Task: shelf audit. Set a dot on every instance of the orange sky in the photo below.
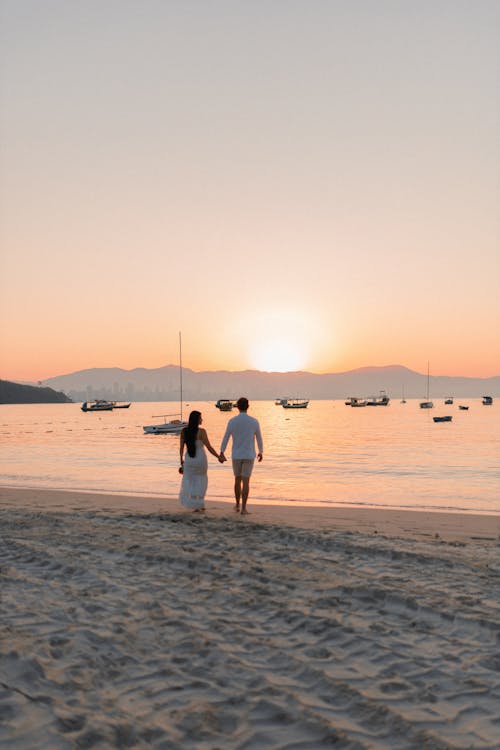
(315, 188)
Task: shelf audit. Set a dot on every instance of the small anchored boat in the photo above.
(295, 403)
(169, 426)
(381, 400)
(224, 404)
(99, 404)
(443, 419)
(353, 401)
(427, 404)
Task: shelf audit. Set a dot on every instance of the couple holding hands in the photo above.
(244, 431)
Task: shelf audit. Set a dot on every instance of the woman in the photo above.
(194, 463)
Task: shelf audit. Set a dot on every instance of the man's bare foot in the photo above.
(245, 512)
(236, 508)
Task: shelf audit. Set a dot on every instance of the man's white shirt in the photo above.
(244, 430)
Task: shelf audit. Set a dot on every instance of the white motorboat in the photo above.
(295, 403)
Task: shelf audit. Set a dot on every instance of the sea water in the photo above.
(391, 456)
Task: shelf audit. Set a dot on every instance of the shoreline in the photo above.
(408, 524)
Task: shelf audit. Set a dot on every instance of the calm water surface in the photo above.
(393, 456)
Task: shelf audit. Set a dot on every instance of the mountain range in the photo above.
(162, 384)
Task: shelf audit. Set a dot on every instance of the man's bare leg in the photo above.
(237, 492)
(244, 494)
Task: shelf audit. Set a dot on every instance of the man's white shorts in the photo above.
(243, 467)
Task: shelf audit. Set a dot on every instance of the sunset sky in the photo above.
(293, 184)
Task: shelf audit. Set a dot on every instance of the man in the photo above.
(244, 431)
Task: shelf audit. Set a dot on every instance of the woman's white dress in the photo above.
(195, 479)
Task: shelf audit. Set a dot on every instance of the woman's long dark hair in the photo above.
(191, 431)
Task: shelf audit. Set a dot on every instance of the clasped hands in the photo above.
(221, 458)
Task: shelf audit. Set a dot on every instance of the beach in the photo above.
(126, 623)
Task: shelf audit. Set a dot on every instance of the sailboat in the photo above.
(427, 404)
(403, 400)
(172, 426)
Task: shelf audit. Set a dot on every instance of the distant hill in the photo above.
(162, 384)
(14, 393)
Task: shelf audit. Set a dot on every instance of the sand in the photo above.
(125, 623)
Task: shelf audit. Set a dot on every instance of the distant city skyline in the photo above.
(163, 384)
(294, 186)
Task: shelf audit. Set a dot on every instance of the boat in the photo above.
(102, 404)
(280, 401)
(403, 400)
(462, 407)
(448, 401)
(224, 404)
(353, 401)
(487, 400)
(381, 400)
(99, 404)
(295, 403)
(442, 419)
(169, 426)
(427, 404)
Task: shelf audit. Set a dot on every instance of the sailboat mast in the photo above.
(180, 366)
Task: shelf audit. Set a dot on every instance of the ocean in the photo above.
(328, 454)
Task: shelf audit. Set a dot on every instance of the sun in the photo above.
(279, 338)
(277, 355)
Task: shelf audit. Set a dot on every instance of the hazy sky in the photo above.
(293, 184)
